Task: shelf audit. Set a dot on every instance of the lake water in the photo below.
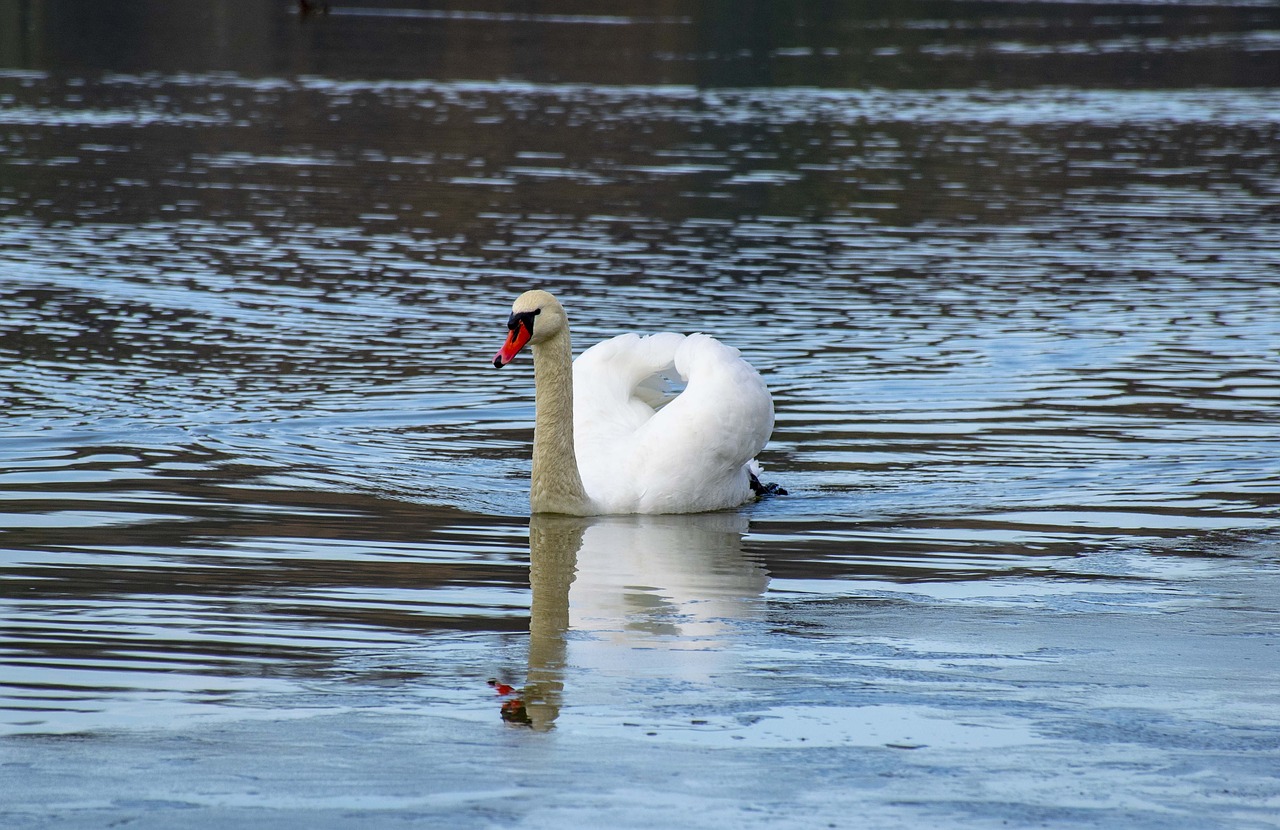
(1010, 270)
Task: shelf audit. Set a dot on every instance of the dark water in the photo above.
(1009, 269)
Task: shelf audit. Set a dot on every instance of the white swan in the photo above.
(603, 442)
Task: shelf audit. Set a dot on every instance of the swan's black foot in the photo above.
(770, 489)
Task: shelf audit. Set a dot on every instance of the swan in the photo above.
(605, 440)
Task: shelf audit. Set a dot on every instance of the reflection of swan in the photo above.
(606, 439)
(674, 579)
(553, 550)
(647, 594)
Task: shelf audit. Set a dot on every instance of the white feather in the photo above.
(689, 455)
(609, 436)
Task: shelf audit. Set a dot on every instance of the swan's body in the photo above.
(603, 440)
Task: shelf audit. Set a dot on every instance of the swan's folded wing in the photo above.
(616, 382)
(706, 436)
(689, 455)
(614, 395)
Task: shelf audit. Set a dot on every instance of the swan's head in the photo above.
(536, 316)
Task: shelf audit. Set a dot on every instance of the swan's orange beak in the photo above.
(516, 340)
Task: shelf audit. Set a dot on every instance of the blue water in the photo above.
(1010, 276)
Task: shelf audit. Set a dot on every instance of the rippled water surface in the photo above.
(1010, 272)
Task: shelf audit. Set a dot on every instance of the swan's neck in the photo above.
(556, 485)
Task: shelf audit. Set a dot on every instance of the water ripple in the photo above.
(1015, 336)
